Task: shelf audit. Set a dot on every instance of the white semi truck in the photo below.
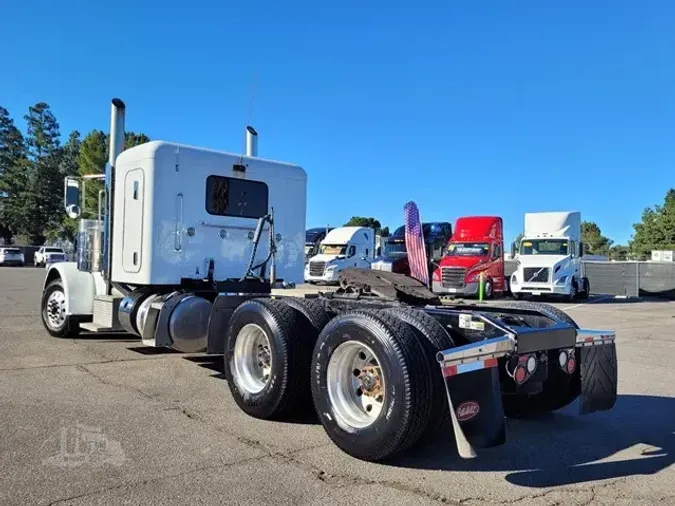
(342, 247)
(549, 257)
(190, 243)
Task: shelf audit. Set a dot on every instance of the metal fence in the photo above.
(625, 279)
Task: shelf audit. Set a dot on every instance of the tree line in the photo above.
(655, 231)
(33, 166)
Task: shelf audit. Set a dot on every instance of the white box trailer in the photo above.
(185, 255)
(549, 257)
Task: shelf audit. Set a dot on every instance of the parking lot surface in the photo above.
(103, 420)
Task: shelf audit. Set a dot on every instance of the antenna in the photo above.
(250, 107)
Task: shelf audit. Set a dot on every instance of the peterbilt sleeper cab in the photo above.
(476, 247)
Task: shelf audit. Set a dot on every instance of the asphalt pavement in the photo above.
(103, 420)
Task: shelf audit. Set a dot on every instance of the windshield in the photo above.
(396, 248)
(544, 247)
(313, 235)
(12, 251)
(333, 249)
(468, 249)
(53, 250)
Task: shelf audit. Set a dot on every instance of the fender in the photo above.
(79, 287)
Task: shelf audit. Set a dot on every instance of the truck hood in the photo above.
(326, 258)
(467, 262)
(541, 260)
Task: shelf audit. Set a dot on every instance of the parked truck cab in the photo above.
(395, 256)
(476, 247)
(549, 257)
(342, 247)
(313, 238)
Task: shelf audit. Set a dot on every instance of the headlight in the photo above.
(562, 280)
(514, 279)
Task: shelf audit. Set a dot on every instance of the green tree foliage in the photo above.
(13, 180)
(92, 158)
(41, 202)
(360, 221)
(618, 252)
(594, 242)
(656, 231)
(67, 227)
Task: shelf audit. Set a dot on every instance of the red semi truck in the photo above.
(476, 246)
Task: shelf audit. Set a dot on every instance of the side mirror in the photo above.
(513, 249)
(71, 197)
(581, 249)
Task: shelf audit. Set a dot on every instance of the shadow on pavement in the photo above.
(638, 435)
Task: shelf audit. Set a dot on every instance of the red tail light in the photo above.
(520, 374)
(571, 365)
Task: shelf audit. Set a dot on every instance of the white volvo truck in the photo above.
(549, 257)
(342, 247)
(188, 248)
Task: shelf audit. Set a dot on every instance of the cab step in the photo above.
(105, 318)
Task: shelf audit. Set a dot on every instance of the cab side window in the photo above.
(497, 251)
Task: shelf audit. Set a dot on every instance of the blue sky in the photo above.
(493, 107)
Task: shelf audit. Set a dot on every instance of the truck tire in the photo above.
(433, 338)
(559, 390)
(586, 289)
(53, 311)
(266, 359)
(488, 289)
(311, 313)
(371, 384)
(574, 292)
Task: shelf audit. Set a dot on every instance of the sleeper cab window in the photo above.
(227, 196)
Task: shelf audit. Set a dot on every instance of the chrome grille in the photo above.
(536, 274)
(316, 268)
(453, 277)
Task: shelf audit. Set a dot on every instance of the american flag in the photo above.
(414, 244)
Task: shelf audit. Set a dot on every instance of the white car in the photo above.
(11, 256)
(48, 255)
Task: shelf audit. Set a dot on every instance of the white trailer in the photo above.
(185, 252)
(549, 257)
(342, 247)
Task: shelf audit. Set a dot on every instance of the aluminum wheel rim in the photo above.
(252, 358)
(56, 309)
(356, 384)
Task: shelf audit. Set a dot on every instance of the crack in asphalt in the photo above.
(106, 361)
(133, 484)
(112, 384)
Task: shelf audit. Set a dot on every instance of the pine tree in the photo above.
(92, 159)
(13, 180)
(66, 228)
(42, 200)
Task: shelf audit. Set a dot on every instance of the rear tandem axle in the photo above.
(385, 374)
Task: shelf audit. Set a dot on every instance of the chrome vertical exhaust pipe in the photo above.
(251, 141)
(117, 113)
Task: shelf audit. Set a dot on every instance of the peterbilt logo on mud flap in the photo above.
(467, 410)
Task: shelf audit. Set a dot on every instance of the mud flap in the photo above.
(476, 409)
(599, 377)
